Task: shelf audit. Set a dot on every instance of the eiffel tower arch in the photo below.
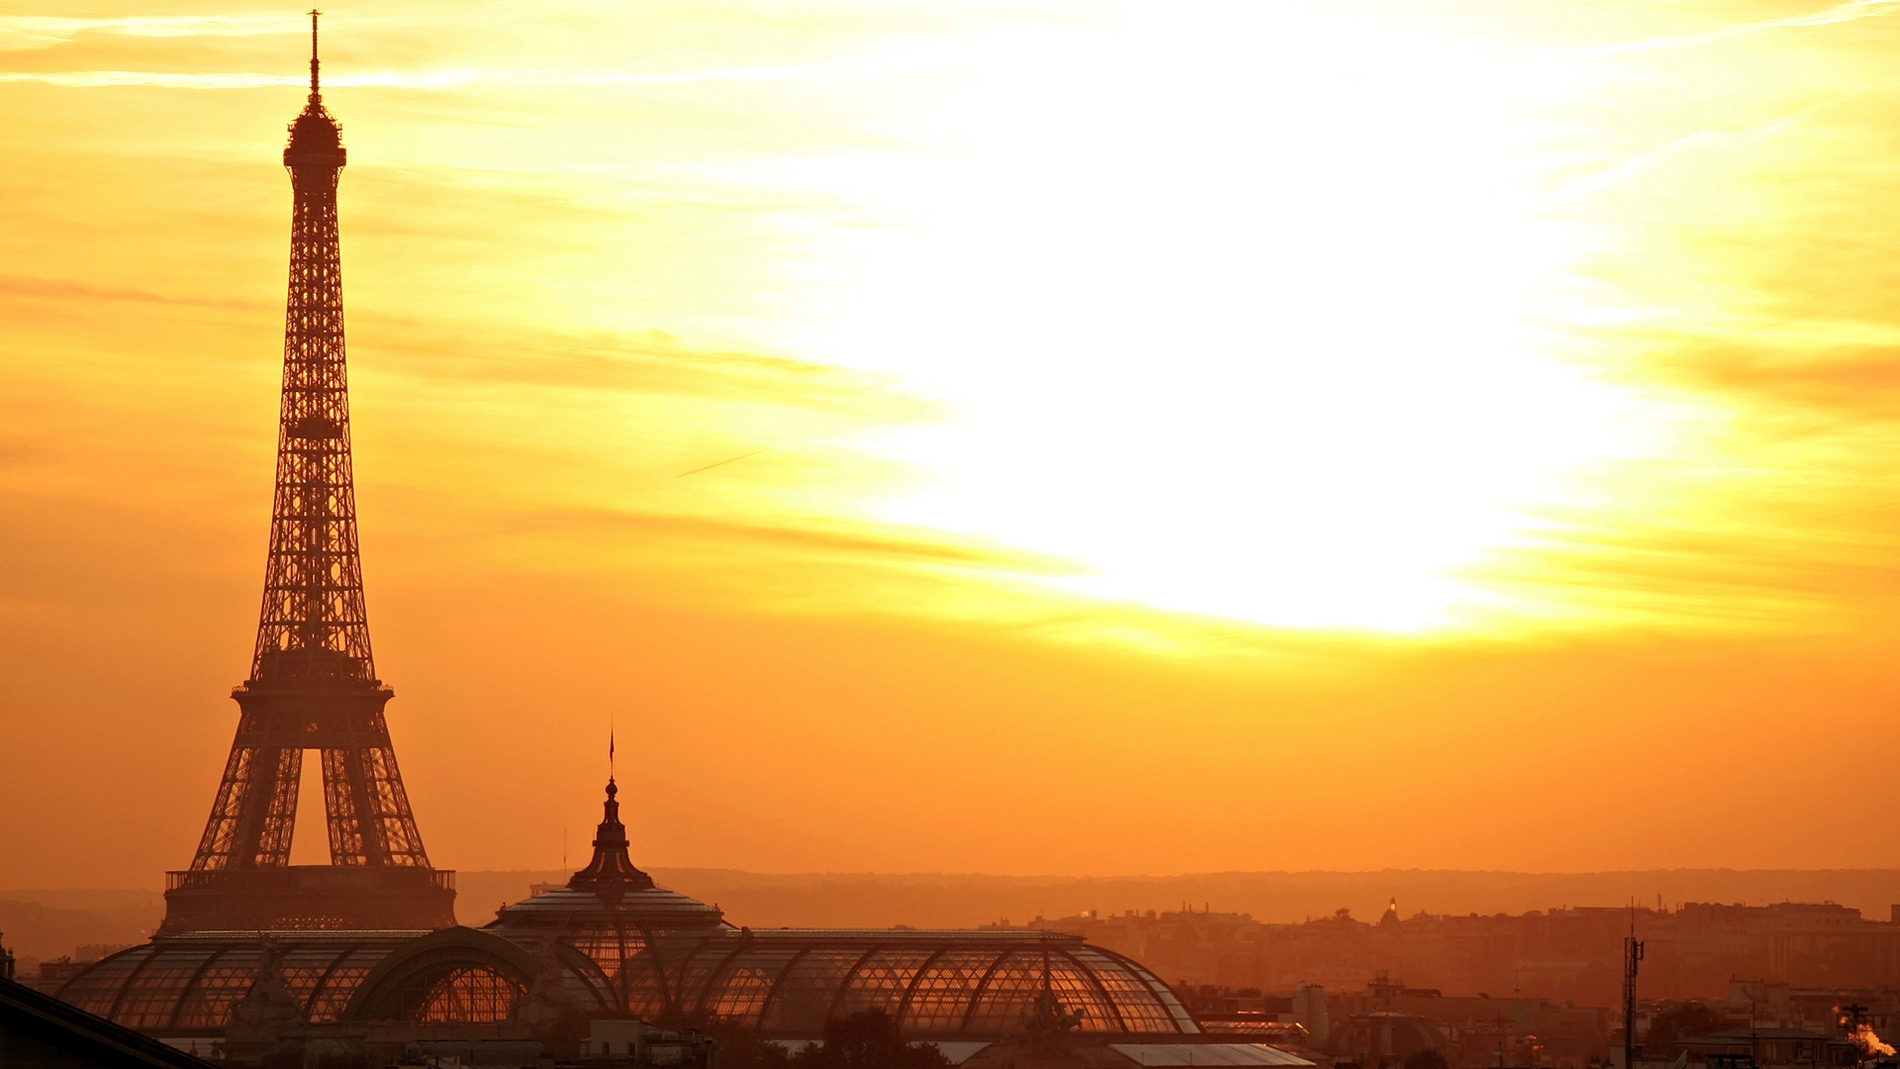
(313, 682)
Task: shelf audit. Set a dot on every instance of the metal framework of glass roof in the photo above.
(936, 984)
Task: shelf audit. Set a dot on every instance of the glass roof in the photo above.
(186, 985)
(947, 983)
(785, 982)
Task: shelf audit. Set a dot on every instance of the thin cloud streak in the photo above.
(429, 81)
(1636, 166)
(22, 33)
(60, 289)
(1852, 11)
(852, 542)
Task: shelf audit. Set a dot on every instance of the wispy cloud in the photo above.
(647, 363)
(1719, 140)
(27, 32)
(422, 80)
(1851, 11)
(811, 535)
(147, 79)
(60, 289)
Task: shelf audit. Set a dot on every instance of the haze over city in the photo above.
(1028, 439)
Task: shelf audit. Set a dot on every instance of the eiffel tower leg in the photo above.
(280, 815)
(255, 812)
(395, 824)
(347, 805)
(369, 818)
(214, 847)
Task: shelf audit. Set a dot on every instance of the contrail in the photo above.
(721, 463)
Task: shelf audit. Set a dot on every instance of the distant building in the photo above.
(1385, 1020)
(1770, 1048)
(1570, 954)
(1384, 1037)
(50, 976)
(641, 1044)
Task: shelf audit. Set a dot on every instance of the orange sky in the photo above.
(1025, 437)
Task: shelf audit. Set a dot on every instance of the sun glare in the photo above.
(1249, 310)
(1300, 314)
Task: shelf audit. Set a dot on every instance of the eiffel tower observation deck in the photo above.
(313, 682)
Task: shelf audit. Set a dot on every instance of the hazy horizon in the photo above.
(962, 899)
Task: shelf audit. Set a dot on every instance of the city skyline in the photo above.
(936, 441)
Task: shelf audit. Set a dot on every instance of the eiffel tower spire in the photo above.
(313, 682)
(316, 96)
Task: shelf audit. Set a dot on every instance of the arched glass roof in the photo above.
(785, 982)
(789, 982)
(189, 984)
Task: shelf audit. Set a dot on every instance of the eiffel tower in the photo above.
(313, 683)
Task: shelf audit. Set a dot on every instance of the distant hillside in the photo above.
(939, 900)
(47, 923)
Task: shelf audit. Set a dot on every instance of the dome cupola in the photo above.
(610, 891)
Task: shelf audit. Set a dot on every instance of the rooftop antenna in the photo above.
(315, 97)
(1046, 984)
(1632, 956)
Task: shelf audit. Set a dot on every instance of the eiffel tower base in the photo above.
(305, 897)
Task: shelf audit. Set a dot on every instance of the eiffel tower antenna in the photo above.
(1632, 960)
(315, 95)
(313, 682)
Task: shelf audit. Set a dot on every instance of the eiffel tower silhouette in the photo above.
(313, 683)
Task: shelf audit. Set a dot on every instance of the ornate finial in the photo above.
(611, 872)
(315, 96)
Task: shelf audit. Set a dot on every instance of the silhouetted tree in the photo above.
(1429, 1058)
(740, 1047)
(1682, 1021)
(868, 1039)
(747, 1048)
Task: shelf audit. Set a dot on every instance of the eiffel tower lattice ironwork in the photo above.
(313, 683)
